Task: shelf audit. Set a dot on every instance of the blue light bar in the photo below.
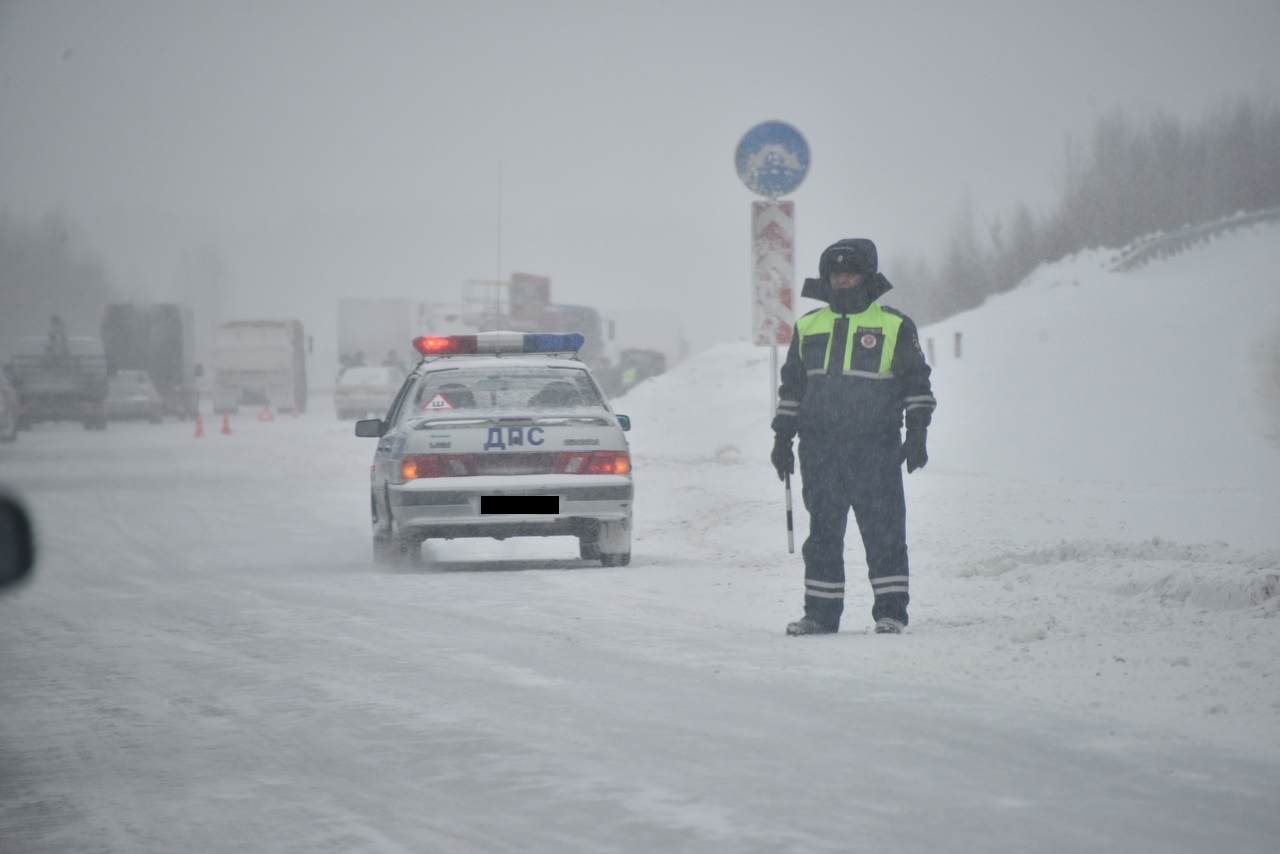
(552, 342)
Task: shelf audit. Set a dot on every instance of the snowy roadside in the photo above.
(1104, 545)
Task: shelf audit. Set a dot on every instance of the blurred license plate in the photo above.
(505, 505)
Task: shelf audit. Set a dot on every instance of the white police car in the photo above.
(500, 434)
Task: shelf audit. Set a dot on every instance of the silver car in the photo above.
(132, 394)
(501, 435)
(364, 390)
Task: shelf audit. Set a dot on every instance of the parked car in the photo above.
(364, 390)
(501, 435)
(9, 414)
(132, 394)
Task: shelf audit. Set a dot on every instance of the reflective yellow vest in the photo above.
(869, 344)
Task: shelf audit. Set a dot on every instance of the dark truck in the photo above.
(159, 339)
(63, 380)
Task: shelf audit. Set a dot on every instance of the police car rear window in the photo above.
(519, 390)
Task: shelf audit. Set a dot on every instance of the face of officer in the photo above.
(844, 281)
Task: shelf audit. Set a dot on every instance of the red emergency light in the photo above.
(444, 345)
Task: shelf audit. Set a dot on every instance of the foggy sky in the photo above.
(325, 149)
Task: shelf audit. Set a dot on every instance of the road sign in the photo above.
(772, 159)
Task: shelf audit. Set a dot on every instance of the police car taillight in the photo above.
(498, 342)
(415, 466)
(597, 462)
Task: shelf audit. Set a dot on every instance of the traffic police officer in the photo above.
(854, 373)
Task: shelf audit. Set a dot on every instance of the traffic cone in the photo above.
(199, 426)
(265, 414)
(226, 425)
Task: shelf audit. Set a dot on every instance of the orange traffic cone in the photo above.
(199, 426)
(265, 414)
(226, 425)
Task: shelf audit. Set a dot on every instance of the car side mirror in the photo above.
(371, 428)
(17, 543)
(624, 421)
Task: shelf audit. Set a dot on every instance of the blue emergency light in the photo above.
(499, 342)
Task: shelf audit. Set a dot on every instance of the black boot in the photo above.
(808, 626)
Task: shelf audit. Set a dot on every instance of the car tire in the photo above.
(389, 550)
(623, 559)
(589, 546)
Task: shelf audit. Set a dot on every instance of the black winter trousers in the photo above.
(861, 472)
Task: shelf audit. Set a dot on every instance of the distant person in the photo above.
(629, 377)
(853, 369)
(57, 343)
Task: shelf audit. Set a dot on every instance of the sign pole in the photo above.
(772, 159)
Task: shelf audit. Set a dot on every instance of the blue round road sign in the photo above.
(772, 159)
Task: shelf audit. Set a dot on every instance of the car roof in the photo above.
(499, 363)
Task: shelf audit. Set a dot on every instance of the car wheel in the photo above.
(389, 550)
(616, 560)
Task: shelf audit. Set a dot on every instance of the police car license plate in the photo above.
(508, 505)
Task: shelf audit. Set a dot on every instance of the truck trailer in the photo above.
(260, 363)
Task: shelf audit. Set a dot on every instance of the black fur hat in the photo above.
(851, 255)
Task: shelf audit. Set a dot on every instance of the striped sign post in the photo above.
(773, 271)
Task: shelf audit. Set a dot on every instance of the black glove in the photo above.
(913, 452)
(784, 461)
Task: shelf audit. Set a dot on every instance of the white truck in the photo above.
(259, 363)
(380, 330)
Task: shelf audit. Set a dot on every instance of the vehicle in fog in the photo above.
(62, 381)
(160, 341)
(131, 395)
(367, 390)
(259, 363)
(501, 434)
(374, 331)
(635, 365)
(8, 408)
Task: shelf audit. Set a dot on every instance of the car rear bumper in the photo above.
(450, 507)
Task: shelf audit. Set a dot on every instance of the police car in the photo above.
(500, 434)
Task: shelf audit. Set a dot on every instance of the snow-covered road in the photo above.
(208, 660)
